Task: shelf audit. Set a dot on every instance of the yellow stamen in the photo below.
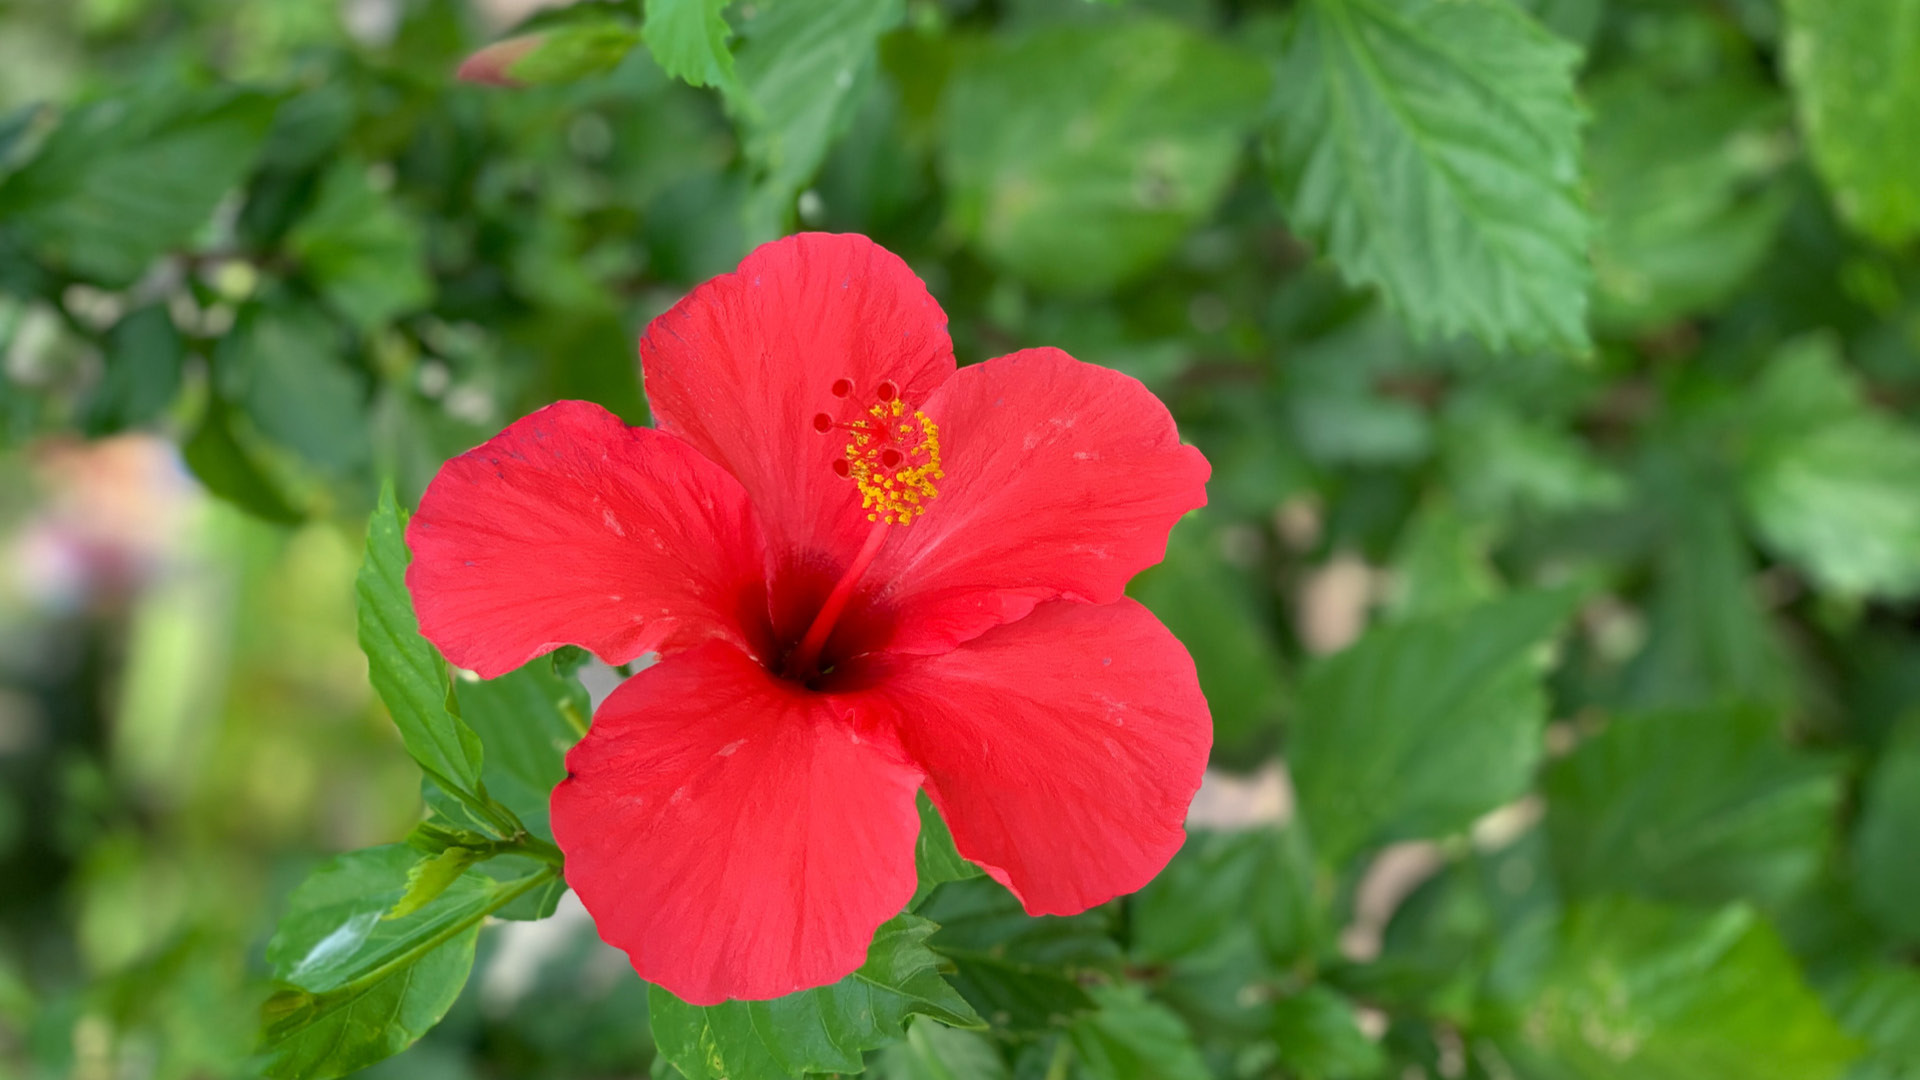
(899, 494)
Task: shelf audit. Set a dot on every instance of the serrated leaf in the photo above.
(1641, 992)
(823, 1030)
(1700, 807)
(123, 180)
(688, 39)
(406, 670)
(1079, 156)
(1827, 480)
(1423, 725)
(360, 982)
(1858, 87)
(527, 719)
(1431, 148)
(1886, 859)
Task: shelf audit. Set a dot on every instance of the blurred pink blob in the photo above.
(112, 513)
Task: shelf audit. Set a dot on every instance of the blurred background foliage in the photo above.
(1557, 359)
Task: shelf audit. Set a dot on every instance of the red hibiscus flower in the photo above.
(864, 573)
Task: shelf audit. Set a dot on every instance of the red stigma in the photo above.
(842, 387)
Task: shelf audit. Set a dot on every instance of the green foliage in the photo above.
(688, 39)
(1829, 482)
(1432, 149)
(1888, 874)
(1153, 116)
(823, 1030)
(1423, 726)
(1706, 807)
(1859, 97)
(1660, 994)
(368, 961)
(120, 182)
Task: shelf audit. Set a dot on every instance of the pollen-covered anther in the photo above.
(892, 456)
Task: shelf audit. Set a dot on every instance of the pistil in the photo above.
(800, 661)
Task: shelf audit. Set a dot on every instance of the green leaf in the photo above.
(1858, 88)
(1424, 725)
(1226, 893)
(1131, 1038)
(295, 385)
(1886, 860)
(361, 981)
(938, 1052)
(1880, 1004)
(1431, 147)
(1641, 992)
(799, 66)
(1318, 1032)
(1709, 640)
(406, 669)
(124, 180)
(822, 1030)
(527, 719)
(228, 470)
(1442, 563)
(1685, 196)
(1019, 972)
(1503, 461)
(1827, 480)
(935, 859)
(1702, 807)
(1079, 156)
(144, 358)
(366, 257)
(688, 39)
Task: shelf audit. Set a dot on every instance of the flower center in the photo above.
(893, 459)
(891, 456)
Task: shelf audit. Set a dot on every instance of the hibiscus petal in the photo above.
(737, 835)
(1062, 482)
(745, 363)
(1063, 749)
(570, 527)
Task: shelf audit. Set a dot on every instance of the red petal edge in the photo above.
(737, 836)
(1063, 750)
(570, 527)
